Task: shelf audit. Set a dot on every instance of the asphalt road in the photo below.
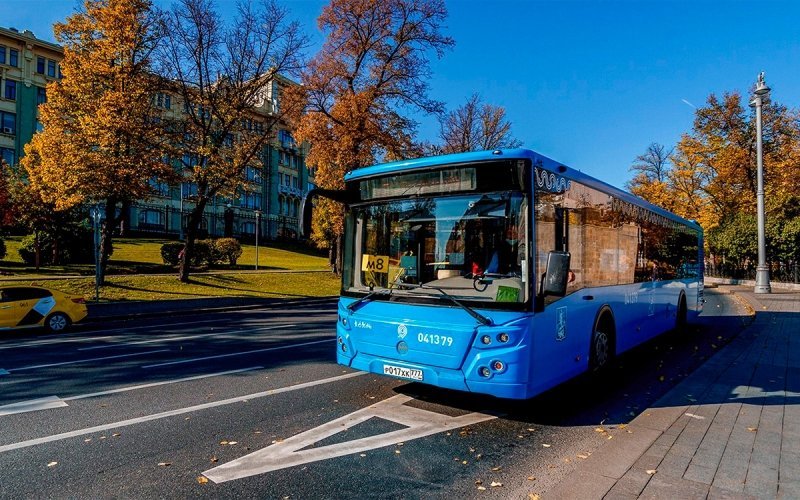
(252, 404)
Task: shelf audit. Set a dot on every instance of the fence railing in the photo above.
(781, 273)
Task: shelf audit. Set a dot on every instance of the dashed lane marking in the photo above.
(79, 361)
(242, 353)
(32, 405)
(171, 413)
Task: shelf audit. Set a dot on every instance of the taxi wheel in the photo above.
(57, 322)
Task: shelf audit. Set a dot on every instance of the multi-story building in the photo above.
(272, 187)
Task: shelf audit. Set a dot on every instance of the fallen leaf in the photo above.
(531, 478)
(697, 417)
(600, 430)
(531, 429)
(102, 437)
(752, 429)
(661, 378)
(397, 452)
(495, 484)
(546, 445)
(464, 462)
(233, 442)
(609, 437)
(214, 460)
(495, 469)
(363, 455)
(651, 471)
(202, 479)
(478, 481)
(482, 488)
(478, 456)
(164, 464)
(51, 464)
(87, 440)
(581, 455)
(533, 496)
(116, 434)
(472, 450)
(225, 442)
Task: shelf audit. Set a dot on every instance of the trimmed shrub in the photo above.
(2, 250)
(74, 247)
(228, 249)
(203, 254)
(170, 252)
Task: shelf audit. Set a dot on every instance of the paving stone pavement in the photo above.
(729, 430)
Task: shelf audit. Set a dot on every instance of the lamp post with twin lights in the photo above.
(762, 270)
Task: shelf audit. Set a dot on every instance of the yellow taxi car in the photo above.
(32, 306)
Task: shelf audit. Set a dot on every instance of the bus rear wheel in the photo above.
(602, 348)
(680, 316)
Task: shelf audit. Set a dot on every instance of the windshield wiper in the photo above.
(472, 312)
(353, 305)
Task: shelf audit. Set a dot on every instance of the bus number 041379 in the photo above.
(443, 340)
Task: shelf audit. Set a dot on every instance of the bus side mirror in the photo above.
(306, 208)
(556, 276)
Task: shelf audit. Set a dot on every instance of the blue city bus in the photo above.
(504, 272)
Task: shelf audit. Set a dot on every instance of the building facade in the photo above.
(267, 204)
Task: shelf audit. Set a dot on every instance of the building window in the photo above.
(41, 95)
(288, 180)
(51, 68)
(163, 100)
(151, 218)
(40, 65)
(280, 179)
(2, 54)
(8, 122)
(253, 175)
(7, 155)
(10, 90)
(13, 57)
(294, 182)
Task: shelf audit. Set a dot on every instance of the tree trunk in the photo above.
(37, 249)
(192, 229)
(106, 237)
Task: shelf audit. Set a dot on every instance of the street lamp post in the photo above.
(258, 223)
(96, 224)
(762, 271)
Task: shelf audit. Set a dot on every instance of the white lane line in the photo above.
(192, 360)
(171, 413)
(32, 405)
(3, 372)
(183, 337)
(296, 450)
(37, 343)
(79, 361)
(155, 384)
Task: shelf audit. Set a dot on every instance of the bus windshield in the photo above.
(471, 246)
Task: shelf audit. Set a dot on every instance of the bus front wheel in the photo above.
(602, 348)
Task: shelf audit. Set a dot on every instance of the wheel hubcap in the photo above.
(58, 323)
(601, 348)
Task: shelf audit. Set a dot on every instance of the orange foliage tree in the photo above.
(373, 66)
(101, 142)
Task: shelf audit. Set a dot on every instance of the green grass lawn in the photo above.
(141, 255)
(135, 263)
(144, 287)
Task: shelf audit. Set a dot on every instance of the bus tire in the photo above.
(602, 349)
(681, 313)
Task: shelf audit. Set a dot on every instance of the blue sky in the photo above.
(589, 84)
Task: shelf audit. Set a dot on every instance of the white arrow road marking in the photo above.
(171, 413)
(289, 453)
(32, 405)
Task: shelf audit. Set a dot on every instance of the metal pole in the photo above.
(258, 223)
(180, 222)
(762, 271)
(96, 219)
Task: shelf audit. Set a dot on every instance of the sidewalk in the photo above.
(729, 430)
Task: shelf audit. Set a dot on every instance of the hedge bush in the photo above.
(2, 249)
(74, 247)
(228, 249)
(170, 252)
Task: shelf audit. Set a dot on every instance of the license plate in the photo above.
(399, 371)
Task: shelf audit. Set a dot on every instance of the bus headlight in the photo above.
(486, 339)
(503, 337)
(484, 372)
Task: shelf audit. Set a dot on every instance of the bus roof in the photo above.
(537, 159)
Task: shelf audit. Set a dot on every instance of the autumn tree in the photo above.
(102, 141)
(651, 170)
(476, 126)
(372, 69)
(228, 77)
